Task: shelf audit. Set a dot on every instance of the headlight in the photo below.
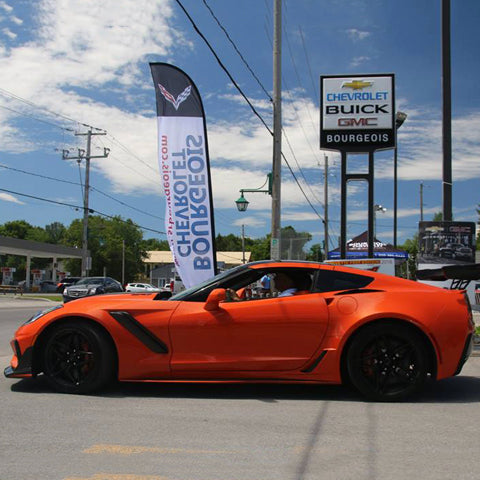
(92, 291)
(41, 313)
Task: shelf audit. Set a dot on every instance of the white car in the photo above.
(141, 288)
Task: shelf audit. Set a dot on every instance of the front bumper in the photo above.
(21, 365)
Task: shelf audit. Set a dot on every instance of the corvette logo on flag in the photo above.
(170, 98)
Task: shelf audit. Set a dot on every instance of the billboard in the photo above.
(446, 243)
(358, 112)
(185, 172)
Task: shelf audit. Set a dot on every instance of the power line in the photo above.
(8, 94)
(131, 168)
(308, 64)
(81, 185)
(77, 207)
(223, 66)
(35, 118)
(127, 150)
(245, 97)
(238, 51)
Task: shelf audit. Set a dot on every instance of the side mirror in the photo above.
(216, 296)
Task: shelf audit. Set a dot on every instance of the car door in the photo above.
(271, 334)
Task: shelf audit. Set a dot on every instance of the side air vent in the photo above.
(139, 331)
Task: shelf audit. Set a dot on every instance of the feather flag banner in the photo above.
(185, 171)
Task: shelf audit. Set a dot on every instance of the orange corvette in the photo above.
(384, 335)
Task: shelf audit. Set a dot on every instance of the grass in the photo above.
(53, 298)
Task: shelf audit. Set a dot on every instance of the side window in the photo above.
(332, 281)
(279, 282)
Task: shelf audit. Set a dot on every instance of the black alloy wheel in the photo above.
(77, 358)
(387, 362)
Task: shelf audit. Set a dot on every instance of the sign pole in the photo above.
(343, 219)
(371, 201)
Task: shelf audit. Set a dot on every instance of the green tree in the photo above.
(154, 244)
(315, 253)
(55, 232)
(293, 242)
(107, 240)
(23, 230)
(410, 267)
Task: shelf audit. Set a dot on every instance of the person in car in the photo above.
(287, 284)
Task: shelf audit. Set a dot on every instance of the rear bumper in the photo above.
(467, 350)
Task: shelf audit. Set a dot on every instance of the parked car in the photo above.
(66, 282)
(141, 288)
(448, 251)
(91, 286)
(464, 253)
(384, 335)
(47, 286)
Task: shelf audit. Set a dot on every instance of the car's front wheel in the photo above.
(78, 358)
(387, 362)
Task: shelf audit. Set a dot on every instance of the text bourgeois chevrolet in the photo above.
(384, 335)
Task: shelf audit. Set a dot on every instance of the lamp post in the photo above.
(377, 208)
(242, 202)
(400, 117)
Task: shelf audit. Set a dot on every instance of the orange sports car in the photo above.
(318, 324)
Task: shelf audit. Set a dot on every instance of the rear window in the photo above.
(332, 281)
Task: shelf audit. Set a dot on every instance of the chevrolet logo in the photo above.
(357, 84)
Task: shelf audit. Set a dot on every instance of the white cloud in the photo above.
(6, 197)
(357, 61)
(5, 6)
(356, 34)
(420, 155)
(7, 32)
(252, 221)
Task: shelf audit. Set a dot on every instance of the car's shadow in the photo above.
(461, 389)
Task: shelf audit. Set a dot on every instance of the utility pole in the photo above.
(82, 154)
(243, 245)
(123, 262)
(275, 248)
(447, 113)
(421, 201)
(325, 201)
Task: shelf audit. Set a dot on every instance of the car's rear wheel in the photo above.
(78, 358)
(387, 362)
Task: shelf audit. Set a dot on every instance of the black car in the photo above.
(66, 282)
(91, 286)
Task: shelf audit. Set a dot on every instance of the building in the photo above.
(161, 269)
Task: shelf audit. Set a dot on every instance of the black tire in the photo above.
(78, 358)
(387, 362)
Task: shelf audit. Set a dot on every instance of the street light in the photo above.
(377, 208)
(242, 202)
(400, 117)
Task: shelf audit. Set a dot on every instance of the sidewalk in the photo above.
(9, 300)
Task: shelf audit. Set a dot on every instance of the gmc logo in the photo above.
(357, 122)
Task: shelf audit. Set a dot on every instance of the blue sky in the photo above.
(65, 64)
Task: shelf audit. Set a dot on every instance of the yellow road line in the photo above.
(136, 449)
(118, 476)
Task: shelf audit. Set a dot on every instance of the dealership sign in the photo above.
(358, 112)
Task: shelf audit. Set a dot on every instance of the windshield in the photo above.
(90, 281)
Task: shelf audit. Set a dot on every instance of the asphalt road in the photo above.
(234, 432)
